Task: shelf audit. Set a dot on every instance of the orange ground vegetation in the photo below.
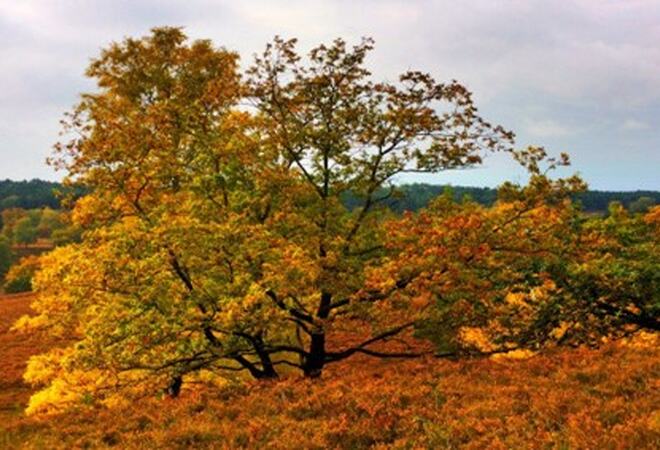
(578, 398)
(15, 349)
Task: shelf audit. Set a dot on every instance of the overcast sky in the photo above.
(575, 76)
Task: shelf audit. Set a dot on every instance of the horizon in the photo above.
(406, 183)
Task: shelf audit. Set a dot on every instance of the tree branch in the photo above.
(338, 356)
(283, 306)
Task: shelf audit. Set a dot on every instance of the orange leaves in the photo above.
(422, 301)
(293, 268)
(580, 397)
(521, 266)
(653, 216)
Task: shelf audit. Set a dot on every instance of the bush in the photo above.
(19, 277)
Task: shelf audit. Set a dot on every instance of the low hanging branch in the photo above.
(362, 348)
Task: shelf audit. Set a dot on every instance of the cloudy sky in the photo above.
(577, 76)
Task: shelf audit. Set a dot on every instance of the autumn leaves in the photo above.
(216, 239)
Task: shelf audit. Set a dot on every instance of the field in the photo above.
(578, 398)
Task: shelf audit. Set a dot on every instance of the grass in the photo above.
(577, 398)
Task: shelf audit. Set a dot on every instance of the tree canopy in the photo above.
(216, 234)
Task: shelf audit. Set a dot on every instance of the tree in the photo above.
(49, 221)
(10, 201)
(28, 194)
(343, 133)
(25, 232)
(19, 277)
(216, 239)
(531, 272)
(641, 205)
(10, 217)
(160, 144)
(5, 256)
(68, 234)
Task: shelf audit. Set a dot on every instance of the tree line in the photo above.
(409, 197)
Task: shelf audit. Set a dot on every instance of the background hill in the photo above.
(40, 194)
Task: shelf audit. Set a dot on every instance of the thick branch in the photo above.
(283, 306)
(361, 348)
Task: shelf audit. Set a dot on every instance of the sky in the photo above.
(580, 76)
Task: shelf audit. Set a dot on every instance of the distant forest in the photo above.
(29, 194)
(412, 197)
(409, 197)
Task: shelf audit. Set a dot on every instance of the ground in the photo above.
(568, 398)
(15, 349)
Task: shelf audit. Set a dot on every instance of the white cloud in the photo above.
(634, 125)
(548, 128)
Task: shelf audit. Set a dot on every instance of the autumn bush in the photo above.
(19, 277)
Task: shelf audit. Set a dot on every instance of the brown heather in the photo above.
(569, 398)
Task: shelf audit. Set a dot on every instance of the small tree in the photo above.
(20, 275)
(641, 205)
(5, 256)
(10, 217)
(25, 232)
(49, 222)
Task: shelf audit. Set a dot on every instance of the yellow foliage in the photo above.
(559, 331)
(517, 299)
(643, 340)
(654, 421)
(209, 377)
(538, 294)
(43, 368)
(520, 353)
(57, 397)
(476, 337)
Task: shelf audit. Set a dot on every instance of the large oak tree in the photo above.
(216, 238)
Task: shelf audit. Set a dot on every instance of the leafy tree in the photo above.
(10, 201)
(641, 205)
(25, 232)
(216, 238)
(5, 256)
(158, 145)
(31, 194)
(19, 277)
(10, 217)
(550, 276)
(344, 133)
(66, 235)
(49, 221)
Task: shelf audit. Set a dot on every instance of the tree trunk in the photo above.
(174, 388)
(315, 360)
